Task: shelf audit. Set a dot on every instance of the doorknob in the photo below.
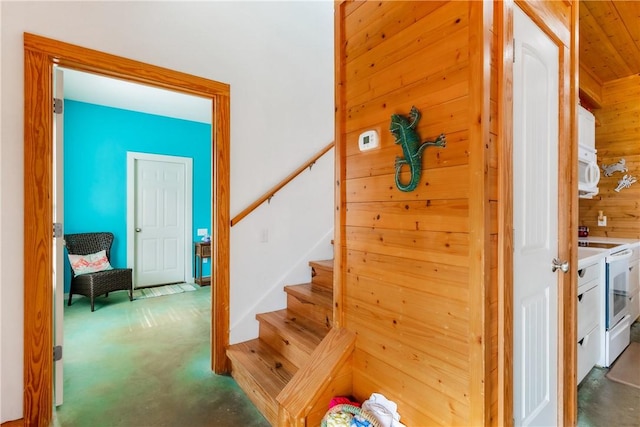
(558, 264)
(138, 230)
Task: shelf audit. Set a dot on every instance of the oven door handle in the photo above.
(620, 256)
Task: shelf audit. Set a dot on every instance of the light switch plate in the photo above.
(602, 222)
(203, 231)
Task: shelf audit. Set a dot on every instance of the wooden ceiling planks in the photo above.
(610, 38)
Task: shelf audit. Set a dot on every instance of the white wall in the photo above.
(278, 59)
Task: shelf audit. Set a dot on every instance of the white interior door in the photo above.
(161, 219)
(535, 218)
(58, 242)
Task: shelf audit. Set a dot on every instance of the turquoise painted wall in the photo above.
(96, 141)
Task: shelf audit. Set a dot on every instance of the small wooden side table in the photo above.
(201, 250)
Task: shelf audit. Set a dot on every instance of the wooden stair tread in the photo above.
(295, 328)
(263, 363)
(326, 263)
(261, 373)
(314, 294)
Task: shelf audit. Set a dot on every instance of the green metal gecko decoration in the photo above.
(404, 131)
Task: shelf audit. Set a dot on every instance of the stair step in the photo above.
(290, 334)
(313, 302)
(322, 273)
(262, 373)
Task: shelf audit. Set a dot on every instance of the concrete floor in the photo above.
(146, 363)
(602, 402)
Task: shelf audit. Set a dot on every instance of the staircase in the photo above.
(263, 366)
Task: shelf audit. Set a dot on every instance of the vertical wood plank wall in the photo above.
(617, 137)
(426, 330)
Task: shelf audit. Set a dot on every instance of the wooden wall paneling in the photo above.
(430, 215)
(437, 279)
(419, 402)
(391, 32)
(448, 248)
(38, 217)
(617, 136)
(621, 90)
(447, 62)
(387, 301)
(432, 366)
(440, 118)
(373, 23)
(480, 24)
(349, 6)
(407, 291)
(376, 162)
(440, 183)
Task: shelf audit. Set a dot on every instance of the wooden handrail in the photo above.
(269, 194)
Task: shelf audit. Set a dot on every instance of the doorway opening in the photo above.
(40, 56)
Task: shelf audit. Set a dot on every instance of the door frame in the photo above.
(40, 55)
(563, 30)
(132, 157)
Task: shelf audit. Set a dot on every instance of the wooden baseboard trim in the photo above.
(14, 423)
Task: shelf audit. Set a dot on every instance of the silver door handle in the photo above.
(138, 230)
(558, 264)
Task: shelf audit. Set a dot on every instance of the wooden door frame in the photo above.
(40, 55)
(566, 38)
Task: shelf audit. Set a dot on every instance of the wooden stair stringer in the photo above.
(327, 373)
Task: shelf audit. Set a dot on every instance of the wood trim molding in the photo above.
(590, 86)
(568, 237)
(339, 271)
(480, 24)
(40, 55)
(504, 25)
(301, 394)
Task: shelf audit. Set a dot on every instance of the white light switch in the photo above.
(203, 231)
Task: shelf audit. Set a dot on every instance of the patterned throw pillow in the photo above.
(92, 263)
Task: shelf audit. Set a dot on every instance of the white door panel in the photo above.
(161, 219)
(535, 217)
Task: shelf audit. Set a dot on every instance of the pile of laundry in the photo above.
(377, 411)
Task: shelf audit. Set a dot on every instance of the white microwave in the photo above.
(588, 172)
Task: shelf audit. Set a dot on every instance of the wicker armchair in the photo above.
(102, 282)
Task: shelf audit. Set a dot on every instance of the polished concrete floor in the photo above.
(602, 402)
(146, 363)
